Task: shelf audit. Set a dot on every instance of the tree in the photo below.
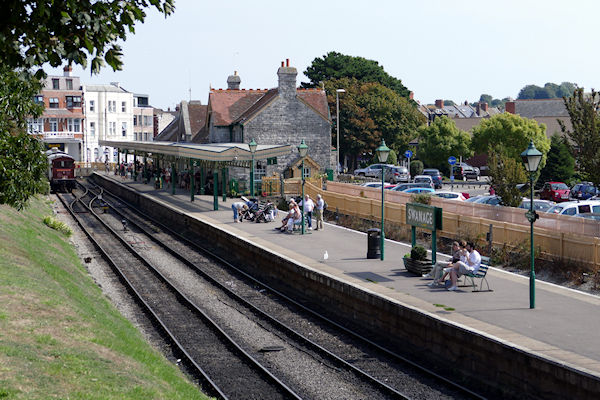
(510, 134)
(441, 140)
(485, 98)
(35, 32)
(560, 165)
(585, 133)
(505, 173)
(370, 112)
(392, 158)
(449, 103)
(334, 65)
(22, 160)
(549, 91)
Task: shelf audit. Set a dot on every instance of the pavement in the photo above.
(564, 326)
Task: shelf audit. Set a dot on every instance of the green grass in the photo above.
(59, 336)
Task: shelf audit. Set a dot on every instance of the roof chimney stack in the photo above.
(67, 70)
(439, 103)
(233, 81)
(287, 80)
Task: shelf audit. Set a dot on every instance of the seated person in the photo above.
(289, 217)
(470, 266)
(436, 272)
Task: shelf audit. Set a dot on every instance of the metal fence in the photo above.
(556, 236)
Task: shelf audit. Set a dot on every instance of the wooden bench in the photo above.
(481, 275)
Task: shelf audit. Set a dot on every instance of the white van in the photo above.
(576, 207)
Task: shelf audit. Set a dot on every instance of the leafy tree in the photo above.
(392, 158)
(370, 112)
(334, 65)
(549, 91)
(511, 135)
(22, 161)
(505, 173)
(449, 103)
(560, 165)
(34, 32)
(585, 133)
(441, 140)
(416, 168)
(486, 98)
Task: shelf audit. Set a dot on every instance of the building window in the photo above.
(306, 172)
(92, 106)
(69, 84)
(147, 120)
(112, 106)
(124, 128)
(55, 84)
(96, 155)
(39, 99)
(53, 125)
(92, 129)
(123, 106)
(73, 101)
(53, 101)
(74, 124)
(35, 125)
(112, 128)
(135, 120)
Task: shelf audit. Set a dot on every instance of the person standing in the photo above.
(319, 209)
(308, 206)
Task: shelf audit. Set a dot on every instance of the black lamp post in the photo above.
(303, 150)
(382, 153)
(252, 146)
(531, 158)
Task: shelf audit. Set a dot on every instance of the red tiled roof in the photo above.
(231, 106)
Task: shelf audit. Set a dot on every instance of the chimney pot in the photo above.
(287, 62)
(282, 64)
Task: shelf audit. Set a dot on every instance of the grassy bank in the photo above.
(59, 336)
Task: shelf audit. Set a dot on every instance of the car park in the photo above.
(372, 171)
(464, 171)
(448, 195)
(436, 176)
(403, 186)
(576, 207)
(583, 191)
(555, 191)
(419, 190)
(424, 179)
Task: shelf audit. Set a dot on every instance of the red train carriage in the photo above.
(61, 171)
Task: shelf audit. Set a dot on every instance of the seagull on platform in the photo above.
(325, 256)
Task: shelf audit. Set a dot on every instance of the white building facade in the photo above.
(109, 115)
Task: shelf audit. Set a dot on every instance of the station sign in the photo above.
(424, 216)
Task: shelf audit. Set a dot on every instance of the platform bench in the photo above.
(480, 275)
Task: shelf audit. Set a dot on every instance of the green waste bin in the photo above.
(329, 174)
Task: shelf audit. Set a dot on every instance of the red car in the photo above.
(555, 191)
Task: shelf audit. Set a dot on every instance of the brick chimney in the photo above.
(510, 107)
(439, 103)
(67, 70)
(484, 106)
(233, 81)
(287, 80)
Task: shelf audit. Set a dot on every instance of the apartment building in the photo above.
(143, 118)
(109, 111)
(62, 123)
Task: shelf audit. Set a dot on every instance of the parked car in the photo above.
(583, 191)
(424, 179)
(538, 205)
(376, 185)
(403, 186)
(448, 195)
(576, 207)
(419, 190)
(555, 191)
(464, 171)
(436, 176)
(396, 174)
(372, 171)
(491, 200)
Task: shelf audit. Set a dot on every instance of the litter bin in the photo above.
(373, 243)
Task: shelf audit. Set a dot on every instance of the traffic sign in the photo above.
(451, 160)
(408, 154)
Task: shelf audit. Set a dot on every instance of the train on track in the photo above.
(61, 171)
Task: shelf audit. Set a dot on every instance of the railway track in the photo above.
(204, 344)
(389, 374)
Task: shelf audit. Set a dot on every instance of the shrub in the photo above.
(421, 198)
(57, 225)
(418, 253)
(416, 167)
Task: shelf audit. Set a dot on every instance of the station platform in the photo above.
(564, 326)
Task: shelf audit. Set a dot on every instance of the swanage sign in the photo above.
(424, 216)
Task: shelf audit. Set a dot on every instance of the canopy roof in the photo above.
(215, 152)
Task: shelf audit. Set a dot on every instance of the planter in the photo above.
(417, 267)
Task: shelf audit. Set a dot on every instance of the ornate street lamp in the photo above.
(303, 150)
(531, 158)
(382, 153)
(337, 123)
(252, 146)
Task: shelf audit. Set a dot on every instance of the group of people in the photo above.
(295, 214)
(465, 260)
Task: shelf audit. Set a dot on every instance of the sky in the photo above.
(452, 50)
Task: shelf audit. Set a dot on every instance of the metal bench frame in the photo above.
(481, 275)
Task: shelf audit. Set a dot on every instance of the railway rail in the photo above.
(389, 373)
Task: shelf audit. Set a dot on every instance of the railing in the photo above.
(473, 218)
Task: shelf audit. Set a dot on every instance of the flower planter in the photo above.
(417, 267)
